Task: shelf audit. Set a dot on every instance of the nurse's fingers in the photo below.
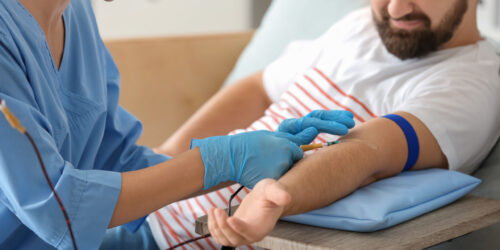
(341, 116)
(233, 237)
(330, 127)
(303, 137)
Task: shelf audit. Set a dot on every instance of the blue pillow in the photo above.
(391, 201)
(285, 21)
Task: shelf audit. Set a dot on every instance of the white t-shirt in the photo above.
(454, 92)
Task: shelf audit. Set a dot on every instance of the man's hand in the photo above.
(254, 219)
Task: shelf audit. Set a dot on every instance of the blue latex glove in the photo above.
(336, 122)
(250, 157)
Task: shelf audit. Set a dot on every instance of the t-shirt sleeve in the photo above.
(462, 112)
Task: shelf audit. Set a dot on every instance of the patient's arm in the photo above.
(374, 150)
(235, 106)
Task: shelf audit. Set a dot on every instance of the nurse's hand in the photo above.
(247, 158)
(336, 122)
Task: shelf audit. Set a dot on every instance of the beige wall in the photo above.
(152, 18)
(165, 80)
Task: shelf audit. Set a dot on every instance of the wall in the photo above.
(489, 18)
(150, 18)
(259, 8)
(147, 18)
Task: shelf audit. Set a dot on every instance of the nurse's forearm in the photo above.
(146, 190)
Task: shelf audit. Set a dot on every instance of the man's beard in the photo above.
(406, 44)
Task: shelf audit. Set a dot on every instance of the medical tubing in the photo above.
(208, 235)
(63, 209)
(411, 139)
(229, 213)
(14, 122)
(189, 241)
(231, 200)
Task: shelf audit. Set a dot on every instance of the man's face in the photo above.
(415, 28)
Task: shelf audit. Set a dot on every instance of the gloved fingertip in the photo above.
(313, 113)
(347, 118)
(307, 135)
(312, 131)
(343, 130)
(298, 154)
(336, 129)
(348, 113)
(289, 126)
(351, 124)
(281, 127)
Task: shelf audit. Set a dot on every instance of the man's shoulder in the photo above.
(489, 49)
(479, 56)
(355, 18)
(352, 25)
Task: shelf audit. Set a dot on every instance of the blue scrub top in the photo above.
(86, 139)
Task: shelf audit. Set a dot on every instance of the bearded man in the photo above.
(422, 61)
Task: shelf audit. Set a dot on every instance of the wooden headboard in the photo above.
(164, 80)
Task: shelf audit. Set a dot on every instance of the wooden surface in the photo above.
(464, 216)
(164, 80)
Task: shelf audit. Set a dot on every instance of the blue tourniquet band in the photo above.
(411, 139)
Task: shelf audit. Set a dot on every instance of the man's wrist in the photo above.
(287, 209)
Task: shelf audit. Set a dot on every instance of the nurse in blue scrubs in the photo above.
(60, 81)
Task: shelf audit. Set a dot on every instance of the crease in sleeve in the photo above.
(91, 212)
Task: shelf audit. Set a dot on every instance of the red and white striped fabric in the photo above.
(349, 68)
(176, 223)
